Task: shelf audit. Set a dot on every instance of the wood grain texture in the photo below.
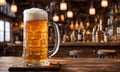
(71, 64)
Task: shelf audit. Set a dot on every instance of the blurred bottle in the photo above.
(76, 25)
(118, 34)
(64, 37)
(116, 8)
(96, 37)
(72, 36)
(88, 36)
(72, 27)
(84, 35)
(93, 34)
(110, 20)
(99, 32)
(106, 35)
(51, 36)
(80, 36)
(81, 26)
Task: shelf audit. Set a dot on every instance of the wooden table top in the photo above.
(71, 64)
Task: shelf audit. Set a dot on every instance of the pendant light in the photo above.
(69, 14)
(63, 5)
(14, 7)
(2, 2)
(104, 3)
(55, 18)
(92, 10)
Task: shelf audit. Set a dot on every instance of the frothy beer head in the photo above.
(35, 14)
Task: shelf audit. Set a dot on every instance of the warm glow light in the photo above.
(14, 8)
(92, 11)
(88, 32)
(76, 25)
(21, 25)
(62, 17)
(87, 24)
(72, 26)
(59, 24)
(69, 14)
(2, 2)
(63, 6)
(104, 3)
(55, 18)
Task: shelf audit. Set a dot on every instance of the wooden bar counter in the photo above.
(86, 49)
(71, 64)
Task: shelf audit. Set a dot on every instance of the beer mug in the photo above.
(35, 44)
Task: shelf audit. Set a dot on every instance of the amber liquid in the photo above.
(36, 41)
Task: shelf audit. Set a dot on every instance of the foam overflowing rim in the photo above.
(35, 14)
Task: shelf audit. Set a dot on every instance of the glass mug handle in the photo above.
(57, 40)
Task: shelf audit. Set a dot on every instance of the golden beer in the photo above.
(35, 51)
(36, 40)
